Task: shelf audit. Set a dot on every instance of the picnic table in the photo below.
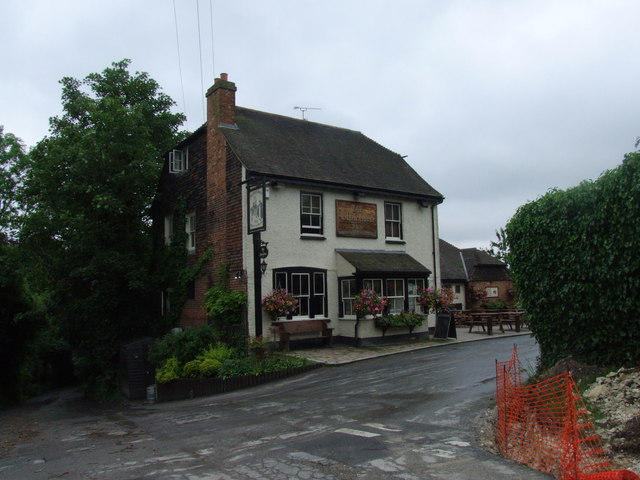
(487, 319)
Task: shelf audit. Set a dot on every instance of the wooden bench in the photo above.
(302, 327)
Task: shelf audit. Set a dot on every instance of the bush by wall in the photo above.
(575, 263)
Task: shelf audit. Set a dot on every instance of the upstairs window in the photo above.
(178, 161)
(393, 221)
(190, 228)
(311, 213)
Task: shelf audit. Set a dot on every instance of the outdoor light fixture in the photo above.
(263, 266)
(264, 251)
(239, 274)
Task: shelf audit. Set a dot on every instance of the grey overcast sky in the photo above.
(494, 102)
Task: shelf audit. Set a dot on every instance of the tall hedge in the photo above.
(575, 262)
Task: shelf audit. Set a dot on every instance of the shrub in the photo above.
(405, 319)
(221, 302)
(496, 305)
(220, 352)
(253, 366)
(211, 359)
(170, 370)
(185, 345)
(209, 367)
(191, 369)
(574, 262)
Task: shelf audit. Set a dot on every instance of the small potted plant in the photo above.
(279, 303)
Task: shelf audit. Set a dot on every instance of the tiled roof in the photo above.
(451, 267)
(469, 264)
(289, 148)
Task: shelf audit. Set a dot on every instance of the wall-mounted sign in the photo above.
(256, 211)
(356, 219)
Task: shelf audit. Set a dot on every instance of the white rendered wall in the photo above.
(287, 249)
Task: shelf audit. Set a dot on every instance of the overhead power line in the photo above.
(175, 19)
(204, 117)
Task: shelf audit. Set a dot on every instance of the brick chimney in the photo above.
(221, 102)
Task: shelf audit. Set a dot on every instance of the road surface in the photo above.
(407, 416)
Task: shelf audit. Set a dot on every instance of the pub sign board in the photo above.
(356, 219)
(256, 213)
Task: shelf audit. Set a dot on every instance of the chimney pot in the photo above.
(224, 77)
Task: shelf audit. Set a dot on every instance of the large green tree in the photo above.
(87, 192)
(13, 332)
(12, 157)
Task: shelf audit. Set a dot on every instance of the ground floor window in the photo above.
(308, 285)
(414, 285)
(402, 293)
(395, 295)
(348, 291)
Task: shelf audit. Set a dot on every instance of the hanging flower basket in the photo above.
(369, 302)
(435, 300)
(279, 303)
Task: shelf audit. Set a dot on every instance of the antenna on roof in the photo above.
(304, 109)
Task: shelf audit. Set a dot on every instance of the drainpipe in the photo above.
(433, 237)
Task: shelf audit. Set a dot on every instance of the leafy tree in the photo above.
(87, 192)
(499, 248)
(12, 157)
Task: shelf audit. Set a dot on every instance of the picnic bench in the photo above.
(286, 328)
(489, 318)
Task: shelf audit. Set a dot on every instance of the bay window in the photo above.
(414, 285)
(307, 285)
(395, 295)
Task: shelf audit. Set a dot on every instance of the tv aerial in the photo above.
(304, 109)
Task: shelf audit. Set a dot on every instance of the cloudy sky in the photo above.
(493, 101)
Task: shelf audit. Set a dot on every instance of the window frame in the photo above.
(344, 301)
(310, 229)
(492, 292)
(179, 160)
(168, 228)
(316, 301)
(360, 283)
(190, 229)
(412, 299)
(390, 297)
(392, 221)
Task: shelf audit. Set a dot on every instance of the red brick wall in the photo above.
(504, 295)
(213, 190)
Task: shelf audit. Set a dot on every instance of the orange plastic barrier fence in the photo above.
(547, 426)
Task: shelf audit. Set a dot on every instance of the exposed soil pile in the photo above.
(614, 402)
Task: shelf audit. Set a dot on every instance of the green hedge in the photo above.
(575, 262)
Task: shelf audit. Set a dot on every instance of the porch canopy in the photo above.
(384, 262)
